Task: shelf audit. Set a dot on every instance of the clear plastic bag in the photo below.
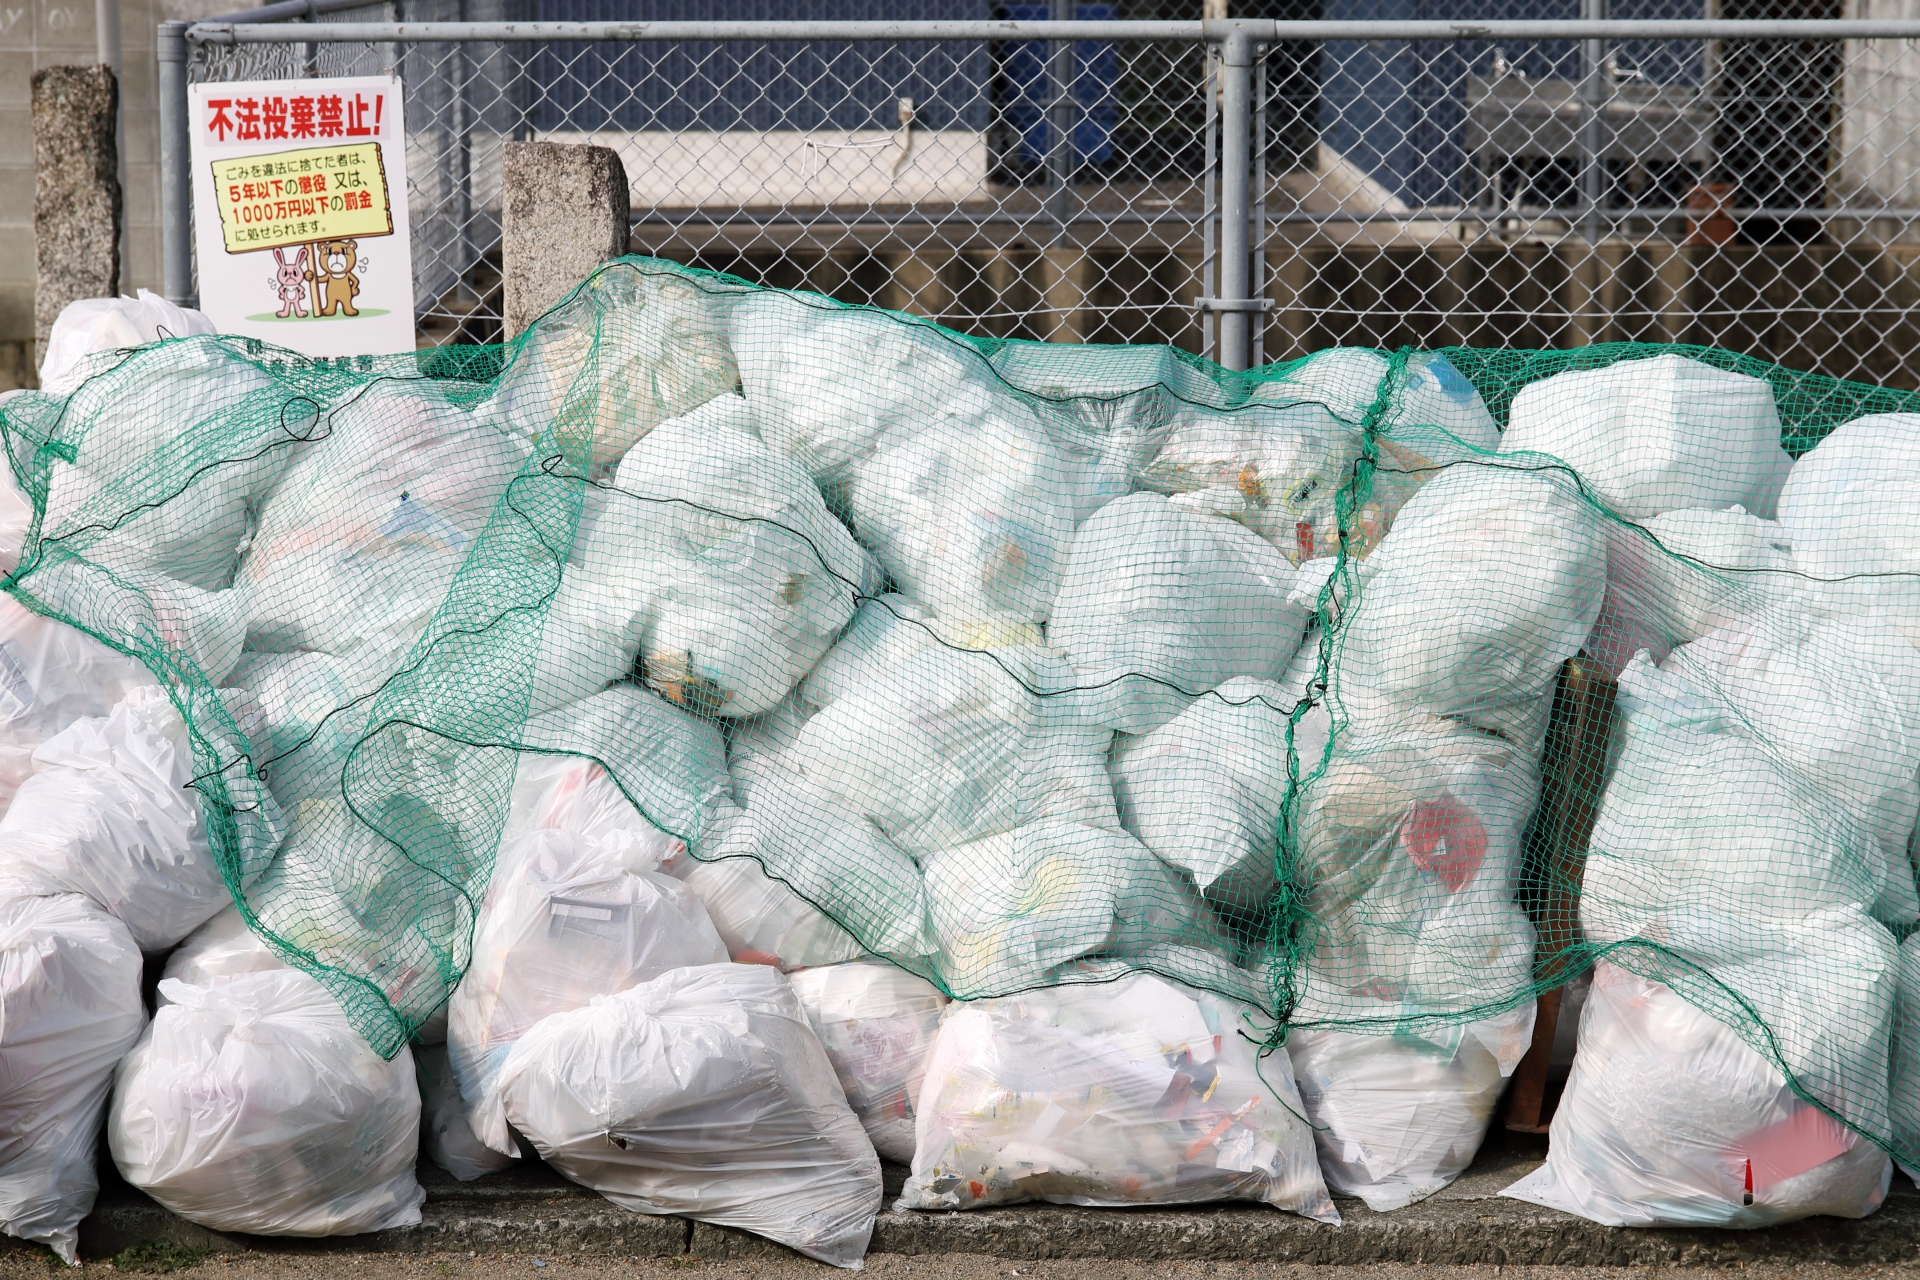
(1159, 604)
(252, 1106)
(51, 674)
(1397, 1117)
(109, 813)
(1128, 1092)
(94, 325)
(703, 1092)
(1669, 1119)
(877, 1023)
(445, 1133)
(565, 920)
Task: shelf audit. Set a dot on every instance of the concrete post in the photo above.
(76, 192)
(565, 212)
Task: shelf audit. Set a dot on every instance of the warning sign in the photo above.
(294, 196)
(300, 212)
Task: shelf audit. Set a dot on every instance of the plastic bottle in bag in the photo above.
(1130, 1092)
(1169, 604)
(1657, 434)
(565, 920)
(1670, 1119)
(69, 1009)
(877, 1023)
(253, 1106)
(702, 1092)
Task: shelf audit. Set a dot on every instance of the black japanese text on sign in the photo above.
(289, 197)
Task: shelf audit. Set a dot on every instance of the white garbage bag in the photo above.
(69, 1008)
(1408, 845)
(1657, 434)
(359, 542)
(885, 632)
(1670, 1119)
(877, 1024)
(633, 349)
(1159, 605)
(110, 324)
(828, 383)
(219, 949)
(253, 1106)
(445, 1134)
(1012, 909)
(720, 554)
(703, 1093)
(953, 745)
(1851, 507)
(1700, 814)
(799, 874)
(1129, 1092)
(109, 812)
(1683, 573)
(16, 516)
(565, 920)
(51, 674)
(1397, 1117)
(971, 517)
(1526, 548)
(1204, 791)
(576, 794)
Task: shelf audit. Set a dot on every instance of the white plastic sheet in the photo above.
(877, 1024)
(703, 1092)
(69, 1008)
(1129, 1092)
(252, 1106)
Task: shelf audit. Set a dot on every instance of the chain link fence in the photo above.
(1252, 190)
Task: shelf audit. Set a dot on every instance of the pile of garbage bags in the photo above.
(725, 739)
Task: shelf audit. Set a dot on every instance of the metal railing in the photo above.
(1249, 189)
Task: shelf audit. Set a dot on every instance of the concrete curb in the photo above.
(533, 1210)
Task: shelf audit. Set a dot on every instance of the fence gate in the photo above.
(1251, 190)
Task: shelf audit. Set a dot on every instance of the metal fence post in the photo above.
(1594, 90)
(176, 188)
(1236, 206)
(1061, 160)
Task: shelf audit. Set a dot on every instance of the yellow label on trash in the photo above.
(291, 197)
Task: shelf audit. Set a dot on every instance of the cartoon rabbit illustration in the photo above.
(290, 279)
(333, 264)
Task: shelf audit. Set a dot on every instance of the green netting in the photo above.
(1020, 664)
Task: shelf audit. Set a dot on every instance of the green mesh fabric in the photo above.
(1020, 664)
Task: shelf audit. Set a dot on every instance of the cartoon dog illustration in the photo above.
(290, 279)
(334, 261)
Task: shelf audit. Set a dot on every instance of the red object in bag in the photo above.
(1445, 839)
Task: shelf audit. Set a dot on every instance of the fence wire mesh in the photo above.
(1755, 194)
